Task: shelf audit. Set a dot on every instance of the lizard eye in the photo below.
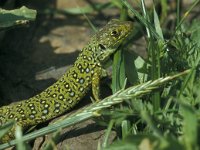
(114, 33)
(102, 46)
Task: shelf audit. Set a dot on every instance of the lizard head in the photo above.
(110, 37)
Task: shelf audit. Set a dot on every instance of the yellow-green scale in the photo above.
(73, 85)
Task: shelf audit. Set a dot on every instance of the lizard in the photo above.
(65, 93)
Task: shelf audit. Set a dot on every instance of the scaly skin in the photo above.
(73, 85)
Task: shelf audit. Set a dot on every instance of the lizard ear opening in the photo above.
(102, 47)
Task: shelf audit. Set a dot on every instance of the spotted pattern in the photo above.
(73, 85)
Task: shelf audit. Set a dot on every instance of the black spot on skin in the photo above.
(55, 86)
(21, 111)
(45, 111)
(74, 74)
(19, 105)
(70, 101)
(102, 47)
(72, 94)
(56, 110)
(38, 96)
(88, 78)
(42, 101)
(60, 96)
(46, 105)
(59, 89)
(30, 105)
(87, 70)
(81, 80)
(81, 89)
(62, 79)
(54, 95)
(86, 64)
(57, 105)
(89, 58)
(66, 86)
(32, 108)
(79, 67)
(18, 110)
(65, 106)
(82, 70)
(11, 116)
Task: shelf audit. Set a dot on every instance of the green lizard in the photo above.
(73, 85)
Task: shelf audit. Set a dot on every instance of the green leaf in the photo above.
(131, 70)
(14, 17)
(108, 132)
(125, 128)
(195, 31)
(18, 134)
(118, 73)
(190, 123)
(142, 71)
(157, 25)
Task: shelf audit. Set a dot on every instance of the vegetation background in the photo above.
(35, 50)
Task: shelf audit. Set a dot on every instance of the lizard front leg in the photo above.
(98, 73)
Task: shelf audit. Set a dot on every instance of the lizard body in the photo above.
(73, 85)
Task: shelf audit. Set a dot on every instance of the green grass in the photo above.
(168, 117)
(155, 101)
